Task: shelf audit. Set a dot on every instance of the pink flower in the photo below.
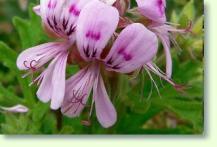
(154, 10)
(60, 18)
(134, 47)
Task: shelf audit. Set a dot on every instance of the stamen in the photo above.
(30, 66)
(178, 87)
(24, 63)
(38, 80)
(76, 99)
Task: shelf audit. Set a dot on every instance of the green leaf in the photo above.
(29, 30)
(189, 10)
(189, 110)
(8, 57)
(174, 17)
(39, 111)
(198, 26)
(9, 98)
(67, 130)
(18, 124)
(22, 28)
(188, 13)
(49, 124)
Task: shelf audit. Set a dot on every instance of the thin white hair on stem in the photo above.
(161, 82)
(161, 72)
(150, 93)
(135, 75)
(142, 87)
(158, 69)
(155, 84)
(174, 42)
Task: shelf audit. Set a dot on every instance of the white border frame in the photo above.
(209, 138)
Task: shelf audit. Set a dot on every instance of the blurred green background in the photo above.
(171, 113)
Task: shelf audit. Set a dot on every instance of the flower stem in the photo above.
(59, 118)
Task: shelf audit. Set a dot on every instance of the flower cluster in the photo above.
(98, 34)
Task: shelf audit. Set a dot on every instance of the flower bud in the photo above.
(15, 109)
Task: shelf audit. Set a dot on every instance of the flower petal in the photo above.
(37, 10)
(94, 30)
(164, 37)
(153, 9)
(109, 2)
(37, 56)
(135, 46)
(60, 16)
(58, 81)
(105, 111)
(16, 109)
(78, 88)
(52, 86)
(45, 89)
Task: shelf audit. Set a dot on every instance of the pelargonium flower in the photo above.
(59, 18)
(134, 47)
(154, 10)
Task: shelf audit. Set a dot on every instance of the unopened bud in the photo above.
(15, 109)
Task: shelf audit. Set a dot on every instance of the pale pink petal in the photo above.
(58, 82)
(15, 109)
(153, 9)
(166, 44)
(105, 111)
(96, 24)
(52, 86)
(78, 88)
(109, 2)
(60, 16)
(37, 56)
(135, 46)
(45, 89)
(37, 9)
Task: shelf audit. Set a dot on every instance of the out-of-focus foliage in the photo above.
(170, 113)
